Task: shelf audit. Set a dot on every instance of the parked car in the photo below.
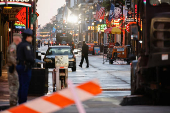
(53, 51)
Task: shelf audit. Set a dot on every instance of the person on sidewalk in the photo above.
(25, 58)
(85, 50)
(12, 73)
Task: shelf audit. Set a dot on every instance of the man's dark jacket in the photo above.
(85, 49)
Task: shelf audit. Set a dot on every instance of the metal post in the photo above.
(30, 12)
(122, 26)
(27, 17)
(34, 29)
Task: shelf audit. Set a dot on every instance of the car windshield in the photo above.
(59, 51)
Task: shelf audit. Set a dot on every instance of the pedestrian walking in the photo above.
(12, 73)
(25, 58)
(85, 50)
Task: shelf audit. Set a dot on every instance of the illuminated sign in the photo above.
(90, 27)
(102, 27)
(21, 16)
(19, 25)
(136, 12)
(16, 2)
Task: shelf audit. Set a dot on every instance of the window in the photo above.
(162, 34)
(157, 2)
(59, 51)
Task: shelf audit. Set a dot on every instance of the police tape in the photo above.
(58, 100)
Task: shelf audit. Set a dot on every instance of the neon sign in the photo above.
(15, 0)
(19, 25)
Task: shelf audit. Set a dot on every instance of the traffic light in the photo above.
(128, 3)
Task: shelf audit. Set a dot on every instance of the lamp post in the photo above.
(100, 20)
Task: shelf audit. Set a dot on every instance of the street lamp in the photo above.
(72, 19)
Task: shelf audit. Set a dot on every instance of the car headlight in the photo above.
(72, 59)
(48, 60)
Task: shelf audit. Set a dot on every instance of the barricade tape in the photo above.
(58, 100)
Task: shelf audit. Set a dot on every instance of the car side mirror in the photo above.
(42, 53)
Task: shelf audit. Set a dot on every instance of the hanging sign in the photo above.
(21, 16)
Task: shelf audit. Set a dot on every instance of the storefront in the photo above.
(8, 11)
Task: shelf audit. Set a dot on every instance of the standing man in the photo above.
(85, 50)
(12, 73)
(26, 60)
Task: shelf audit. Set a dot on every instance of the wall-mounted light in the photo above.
(7, 7)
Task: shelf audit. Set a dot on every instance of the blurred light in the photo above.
(9, 29)
(100, 20)
(7, 7)
(140, 41)
(93, 23)
(130, 64)
(72, 19)
(79, 22)
(144, 1)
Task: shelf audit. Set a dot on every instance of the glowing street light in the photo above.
(72, 19)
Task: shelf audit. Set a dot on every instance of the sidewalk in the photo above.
(4, 90)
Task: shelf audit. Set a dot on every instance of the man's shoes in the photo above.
(80, 66)
(87, 66)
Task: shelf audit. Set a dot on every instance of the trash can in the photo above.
(39, 81)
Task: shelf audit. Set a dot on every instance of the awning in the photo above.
(15, 4)
(115, 30)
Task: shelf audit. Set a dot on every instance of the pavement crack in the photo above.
(118, 78)
(92, 66)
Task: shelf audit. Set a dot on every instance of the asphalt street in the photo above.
(113, 78)
(115, 82)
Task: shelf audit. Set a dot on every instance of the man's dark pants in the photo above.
(24, 80)
(82, 59)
